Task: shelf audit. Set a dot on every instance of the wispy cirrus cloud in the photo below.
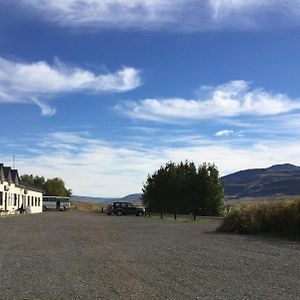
(187, 15)
(228, 100)
(35, 82)
(95, 167)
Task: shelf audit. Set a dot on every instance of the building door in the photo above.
(5, 201)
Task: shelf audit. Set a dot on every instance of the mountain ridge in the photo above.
(280, 179)
(134, 198)
(277, 180)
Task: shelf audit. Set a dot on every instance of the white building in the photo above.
(15, 197)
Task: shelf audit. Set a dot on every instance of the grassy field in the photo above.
(84, 206)
(253, 200)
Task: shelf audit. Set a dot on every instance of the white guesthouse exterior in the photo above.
(15, 197)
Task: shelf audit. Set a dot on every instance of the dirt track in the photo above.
(58, 255)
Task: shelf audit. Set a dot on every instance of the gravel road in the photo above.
(57, 255)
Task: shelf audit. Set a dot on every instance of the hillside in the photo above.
(133, 198)
(277, 180)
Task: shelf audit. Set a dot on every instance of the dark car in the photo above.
(125, 208)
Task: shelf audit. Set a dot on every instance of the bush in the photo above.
(279, 218)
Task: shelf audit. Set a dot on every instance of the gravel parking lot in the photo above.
(70, 255)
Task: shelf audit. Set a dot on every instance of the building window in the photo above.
(28, 200)
(1, 198)
(39, 201)
(31, 200)
(15, 199)
(35, 201)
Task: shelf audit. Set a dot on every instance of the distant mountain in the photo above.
(277, 180)
(133, 198)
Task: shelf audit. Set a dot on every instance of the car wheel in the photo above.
(139, 213)
(108, 214)
(119, 213)
(44, 208)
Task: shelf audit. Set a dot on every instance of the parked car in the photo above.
(125, 208)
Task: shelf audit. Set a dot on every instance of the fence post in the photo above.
(102, 209)
(175, 216)
(161, 215)
(194, 217)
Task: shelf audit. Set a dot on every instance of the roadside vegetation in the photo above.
(280, 218)
(185, 188)
(84, 206)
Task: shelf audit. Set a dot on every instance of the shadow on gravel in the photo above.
(269, 239)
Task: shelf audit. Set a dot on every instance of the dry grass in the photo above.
(273, 217)
(85, 206)
(254, 200)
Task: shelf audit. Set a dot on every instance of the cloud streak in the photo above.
(228, 100)
(187, 15)
(92, 166)
(22, 82)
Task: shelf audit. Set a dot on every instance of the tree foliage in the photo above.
(185, 188)
(52, 187)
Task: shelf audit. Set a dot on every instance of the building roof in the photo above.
(7, 174)
(15, 176)
(2, 175)
(12, 176)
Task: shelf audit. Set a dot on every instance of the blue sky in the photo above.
(101, 93)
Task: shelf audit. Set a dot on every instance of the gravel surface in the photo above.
(58, 255)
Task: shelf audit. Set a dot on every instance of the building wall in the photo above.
(16, 196)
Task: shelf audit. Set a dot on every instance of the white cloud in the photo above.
(229, 132)
(46, 110)
(31, 82)
(190, 15)
(227, 100)
(225, 132)
(91, 166)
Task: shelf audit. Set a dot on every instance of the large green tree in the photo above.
(52, 187)
(185, 188)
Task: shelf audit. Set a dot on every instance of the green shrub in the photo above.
(279, 218)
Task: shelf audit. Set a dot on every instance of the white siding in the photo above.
(15, 196)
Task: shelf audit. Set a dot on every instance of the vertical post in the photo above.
(161, 215)
(194, 217)
(102, 209)
(175, 216)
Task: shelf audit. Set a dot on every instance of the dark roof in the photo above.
(12, 176)
(2, 175)
(7, 174)
(32, 188)
(15, 176)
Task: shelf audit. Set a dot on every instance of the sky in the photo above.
(102, 93)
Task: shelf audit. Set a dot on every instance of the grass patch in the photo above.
(85, 206)
(280, 218)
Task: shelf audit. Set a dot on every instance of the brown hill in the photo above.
(277, 180)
